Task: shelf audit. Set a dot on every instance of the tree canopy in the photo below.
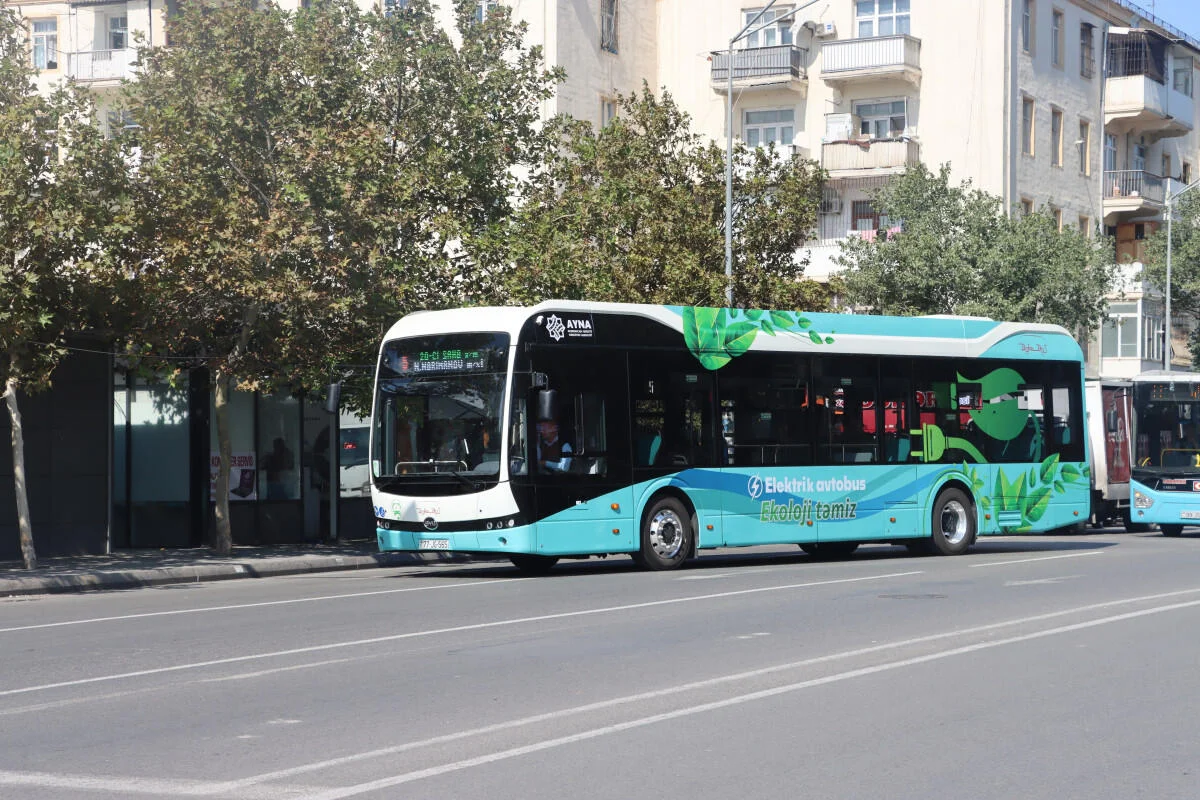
(635, 212)
(304, 178)
(957, 253)
(60, 188)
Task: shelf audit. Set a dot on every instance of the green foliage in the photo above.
(59, 186)
(303, 175)
(959, 254)
(635, 212)
(1185, 263)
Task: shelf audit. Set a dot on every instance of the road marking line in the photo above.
(438, 631)
(244, 675)
(548, 744)
(1040, 558)
(263, 604)
(153, 786)
(551, 716)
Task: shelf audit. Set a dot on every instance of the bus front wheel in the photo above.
(953, 523)
(666, 535)
(1172, 530)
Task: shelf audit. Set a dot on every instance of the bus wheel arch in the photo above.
(953, 520)
(667, 532)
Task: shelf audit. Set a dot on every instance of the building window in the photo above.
(1085, 226)
(1057, 214)
(390, 7)
(885, 119)
(608, 25)
(1085, 147)
(116, 121)
(45, 43)
(881, 17)
(765, 34)
(1139, 158)
(1056, 137)
(864, 217)
(1027, 9)
(1056, 38)
(1110, 152)
(118, 32)
(608, 111)
(1027, 125)
(1166, 166)
(1181, 78)
(1185, 175)
(483, 8)
(761, 128)
(1087, 55)
(1026, 207)
(1119, 334)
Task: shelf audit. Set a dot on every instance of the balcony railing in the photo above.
(101, 65)
(1133, 184)
(841, 158)
(760, 64)
(874, 57)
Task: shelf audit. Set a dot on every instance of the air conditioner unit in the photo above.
(824, 30)
(831, 202)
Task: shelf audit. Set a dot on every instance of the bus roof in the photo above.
(938, 335)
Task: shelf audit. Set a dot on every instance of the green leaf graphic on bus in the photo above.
(1031, 492)
(1000, 417)
(717, 335)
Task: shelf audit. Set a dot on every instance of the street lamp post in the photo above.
(1171, 198)
(742, 34)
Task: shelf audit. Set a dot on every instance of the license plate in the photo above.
(433, 544)
(1189, 514)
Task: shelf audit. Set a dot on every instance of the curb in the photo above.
(102, 580)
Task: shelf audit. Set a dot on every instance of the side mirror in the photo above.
(547, 404)
(333, 397)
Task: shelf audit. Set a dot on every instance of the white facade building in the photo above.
(1084, 107)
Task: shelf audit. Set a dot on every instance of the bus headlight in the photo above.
(1142, 501)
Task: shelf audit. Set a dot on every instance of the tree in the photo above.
(635, 212)
(957, 253)
(60, 185)
(1185, 264)
(303, 179)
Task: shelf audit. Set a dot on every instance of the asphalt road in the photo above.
(1035, 667)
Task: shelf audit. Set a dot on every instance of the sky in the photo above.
(1183, 14)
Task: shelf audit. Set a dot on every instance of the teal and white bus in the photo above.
(1165, 479)
(574, 429)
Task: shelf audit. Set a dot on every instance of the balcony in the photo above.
(1142, 95)
(877, 57)
(777, 67)
(1132, 192)
(96, 66)
(869, 157)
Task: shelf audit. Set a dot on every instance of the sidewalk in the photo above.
(126, 569)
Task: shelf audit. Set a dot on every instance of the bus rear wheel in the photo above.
(666, 535)
(1172, 530)
(533, 564)
(953, 523)
(829, 549)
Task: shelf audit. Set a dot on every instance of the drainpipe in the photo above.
(1008, 181)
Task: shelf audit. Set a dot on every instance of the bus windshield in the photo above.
(437, 413)
(1168, 429)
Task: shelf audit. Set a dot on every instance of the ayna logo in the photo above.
(754, 487)
(555, 327)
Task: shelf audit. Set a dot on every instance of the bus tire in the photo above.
(533, 564)
(1172, 530)
(667, 535)
(1131, 526)
(829, 549)
(952, 522)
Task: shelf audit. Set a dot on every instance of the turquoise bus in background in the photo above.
(574, 429)
(1164, 484)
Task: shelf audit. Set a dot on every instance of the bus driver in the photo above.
(553, 453)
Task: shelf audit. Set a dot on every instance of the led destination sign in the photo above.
(1174, 390)
(451, 360)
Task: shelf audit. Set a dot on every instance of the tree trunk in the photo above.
(223, 543)
(24, 525)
